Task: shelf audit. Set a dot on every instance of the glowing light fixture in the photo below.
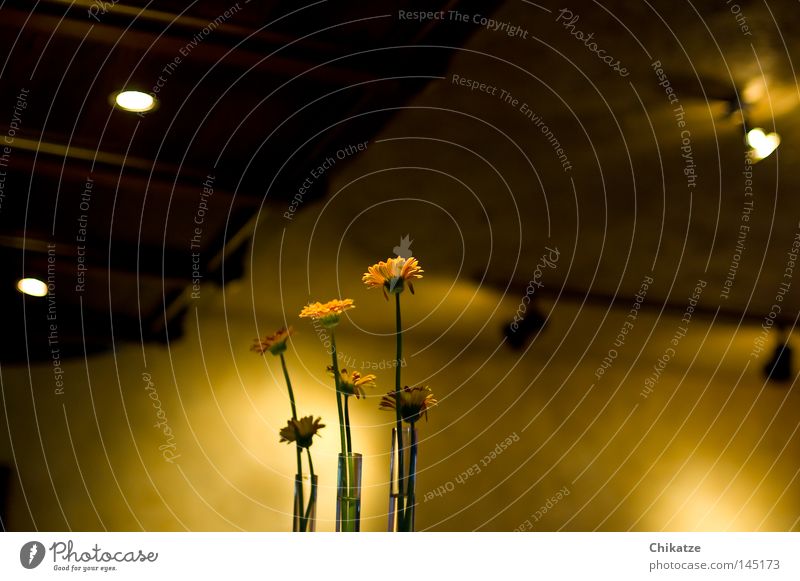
(754, 90)
(762, 144)
(32, 286)
(134, 101)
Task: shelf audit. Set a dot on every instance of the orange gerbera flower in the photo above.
(414, 402)
(301, 431)
(275, 343)
(328, 313)
(353, 383)
(393, 275)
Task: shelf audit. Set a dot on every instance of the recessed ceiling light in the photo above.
(762, 144)
(134, 101)
(32, 286)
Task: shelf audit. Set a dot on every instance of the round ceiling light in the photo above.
(134, 101)
(32, 286)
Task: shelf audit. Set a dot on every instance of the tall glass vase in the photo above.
(348, 493)
(402, 483)
(304, 519)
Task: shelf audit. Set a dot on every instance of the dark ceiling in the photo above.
(250, 95)
(498, 193)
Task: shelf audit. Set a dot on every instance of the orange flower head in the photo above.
(275, 343)
(393, 275)
(414, 402)
(353, 383)
(301, 431)
(329, 314)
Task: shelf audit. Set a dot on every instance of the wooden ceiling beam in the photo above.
(108, 174)
(144, 261)
(167, 47)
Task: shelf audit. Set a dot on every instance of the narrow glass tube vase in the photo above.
(402, 480)
(348, 493)
(304, 519)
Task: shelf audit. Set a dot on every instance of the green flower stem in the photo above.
(398, 416)
(289, 386)
(338, 393)
(347, 424)
(298, 449)
(348, 517)
(412, 482)
(313, 496)
(351, 467)
(294, 412)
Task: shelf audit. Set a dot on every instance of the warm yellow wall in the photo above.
(711, 448)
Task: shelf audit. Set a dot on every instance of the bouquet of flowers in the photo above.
(408, 404)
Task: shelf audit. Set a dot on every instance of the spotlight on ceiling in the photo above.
(520, 331)
(32, 286)
(134, 101)
(762, 144)
(779, 367)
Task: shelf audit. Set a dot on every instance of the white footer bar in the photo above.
(406, 557)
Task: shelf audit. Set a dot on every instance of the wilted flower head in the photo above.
(328, 313)
(393, 275)
(414, 402)
(275, 343)
(301, 431)
(353, 383)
